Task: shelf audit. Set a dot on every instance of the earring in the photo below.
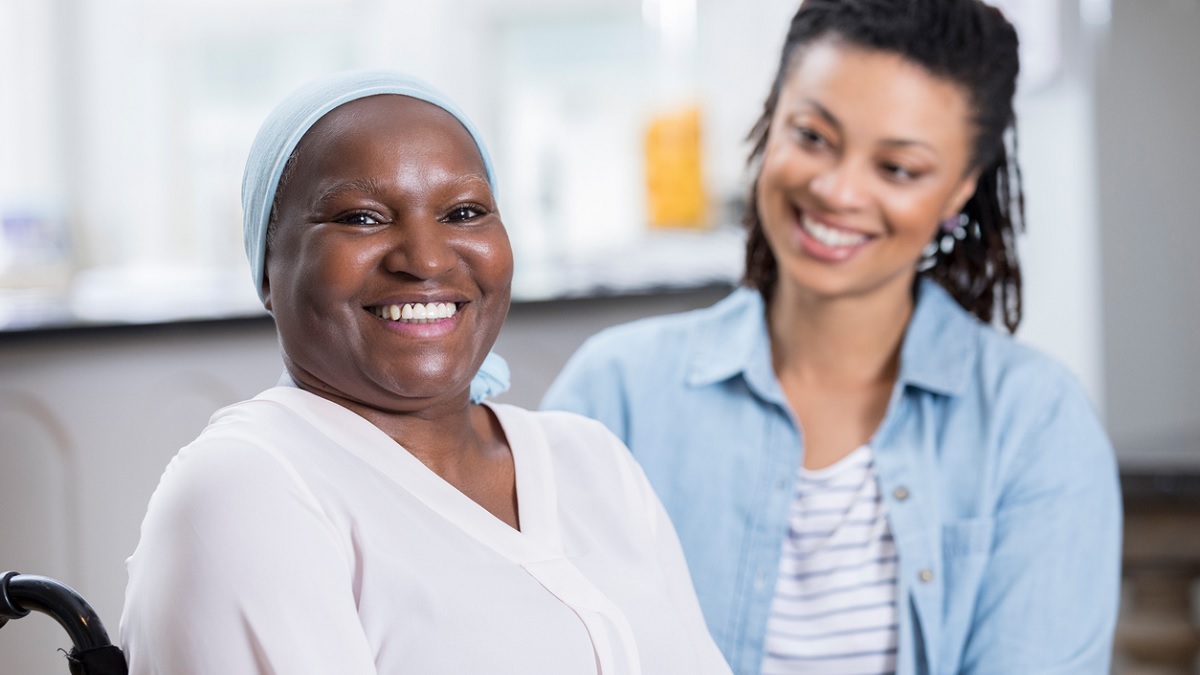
(953, 229)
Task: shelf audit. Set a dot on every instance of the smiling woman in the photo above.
(390, 207)
(867, 476)
(371, 514)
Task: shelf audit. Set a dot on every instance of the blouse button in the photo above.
(900, 493)
(925, 575)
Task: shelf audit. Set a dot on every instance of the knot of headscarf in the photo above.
(281, 133)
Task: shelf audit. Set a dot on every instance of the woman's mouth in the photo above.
(828, 243)
(831, 236)
(416, 312)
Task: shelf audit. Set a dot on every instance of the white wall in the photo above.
(1147, 112)
(1059, 252)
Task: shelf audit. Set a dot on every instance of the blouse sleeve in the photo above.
(1053, 611)
(239, 570)
(682, 593)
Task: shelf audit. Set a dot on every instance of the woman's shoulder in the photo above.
(997, 391)
(670, 334)
(240, 450)
(659, 351)
(957, 352)
(638, 365)
(1008, 368)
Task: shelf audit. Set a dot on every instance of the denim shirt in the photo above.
(1000, 483)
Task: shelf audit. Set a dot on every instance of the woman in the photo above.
(865, 476)
(366, 516)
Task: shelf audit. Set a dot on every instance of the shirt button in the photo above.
(900, 493)
(925, 575)
(781, 484)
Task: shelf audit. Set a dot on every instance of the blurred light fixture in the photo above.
(675, 20)
(1096, 12)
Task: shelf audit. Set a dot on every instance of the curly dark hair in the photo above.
(966, 42)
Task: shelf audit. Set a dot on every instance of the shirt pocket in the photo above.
(966, 549)
(967, 537)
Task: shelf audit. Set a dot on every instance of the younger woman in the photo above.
(866, 476)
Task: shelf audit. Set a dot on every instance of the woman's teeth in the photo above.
(416, 312)
(831, 236)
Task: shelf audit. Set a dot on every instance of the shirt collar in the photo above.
(731, 340)
(938, 352)
(941, 343)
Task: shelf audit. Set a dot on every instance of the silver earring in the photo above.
(954, 229)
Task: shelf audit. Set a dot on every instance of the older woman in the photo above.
(366, 516)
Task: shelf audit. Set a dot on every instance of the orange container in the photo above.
(675, 191)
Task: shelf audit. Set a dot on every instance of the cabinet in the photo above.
(89, 418)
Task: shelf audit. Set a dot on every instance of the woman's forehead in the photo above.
(378, 117)
(406, 127)
(380, 141)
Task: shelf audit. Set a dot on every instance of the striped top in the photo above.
(834, 610)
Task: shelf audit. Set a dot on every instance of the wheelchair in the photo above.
(92, 652)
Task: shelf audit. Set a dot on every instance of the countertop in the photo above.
(142, 295)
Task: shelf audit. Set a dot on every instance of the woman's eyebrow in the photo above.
(361, 185)
(829, 117)
(467, 179)
(907, 143)
(824, 113)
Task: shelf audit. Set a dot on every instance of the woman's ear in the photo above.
(961, 195)
(266, 288)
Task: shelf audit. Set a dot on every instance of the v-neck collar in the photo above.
(539, 538)
(537, 547)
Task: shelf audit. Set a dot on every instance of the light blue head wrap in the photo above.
(281, 133)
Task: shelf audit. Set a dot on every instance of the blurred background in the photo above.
(617, 126)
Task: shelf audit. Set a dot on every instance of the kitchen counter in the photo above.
(662, 262)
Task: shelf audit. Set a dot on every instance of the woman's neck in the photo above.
(443, 434)
(839, 342)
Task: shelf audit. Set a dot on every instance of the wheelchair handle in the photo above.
(20, 593)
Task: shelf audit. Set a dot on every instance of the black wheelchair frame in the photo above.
(93, 653)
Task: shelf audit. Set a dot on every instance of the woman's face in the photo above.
(389, 270)
(867, 153)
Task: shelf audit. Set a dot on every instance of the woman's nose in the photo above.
(420, 249)
(841, 186)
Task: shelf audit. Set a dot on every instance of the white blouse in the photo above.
(295, 537)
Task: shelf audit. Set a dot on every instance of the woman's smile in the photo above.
(416, 312)
(419, 319)
(825, 241)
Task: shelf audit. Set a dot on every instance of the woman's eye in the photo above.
(464, 213)
(810, 138)
(899, 173)
(357, 218)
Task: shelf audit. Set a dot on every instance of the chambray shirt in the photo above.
(1001, 485)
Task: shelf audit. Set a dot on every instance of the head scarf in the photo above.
(291, 119)
(281, 133)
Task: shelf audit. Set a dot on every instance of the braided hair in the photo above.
(972, 45)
